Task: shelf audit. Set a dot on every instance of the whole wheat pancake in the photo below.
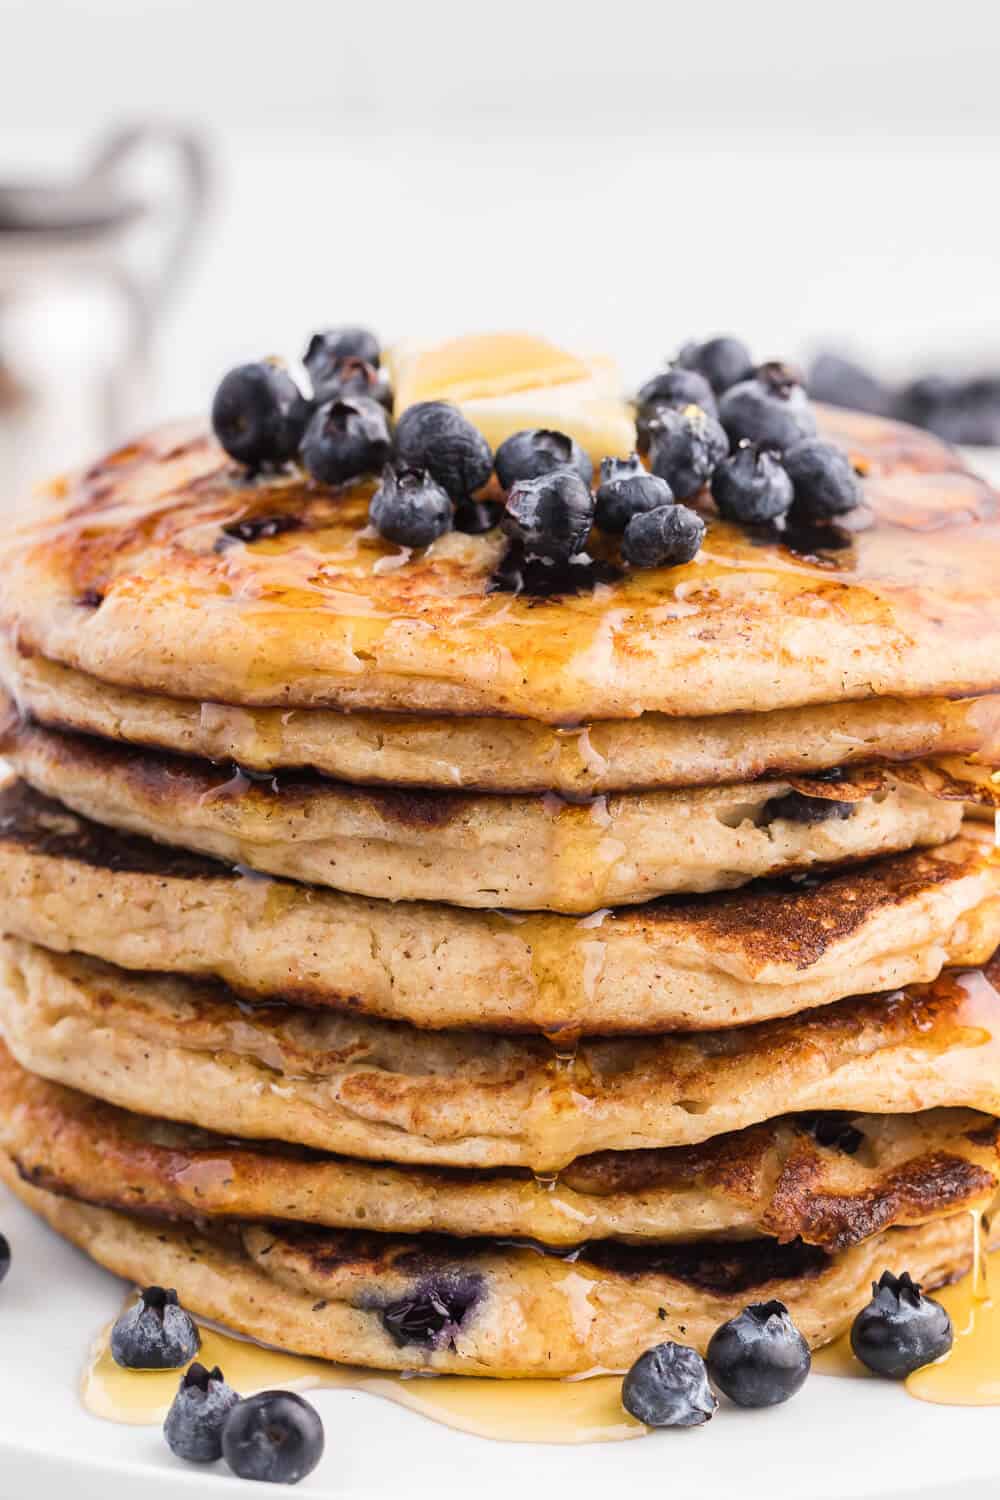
(678, 963)
(476, 1307)
(188, 1052)
(484, 849)
(509, 755)
(831, 1179)
(138, 575)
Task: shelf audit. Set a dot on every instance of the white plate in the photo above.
(839, 1439)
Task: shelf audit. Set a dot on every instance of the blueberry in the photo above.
(841, 382)
(4, 1256)
(965, 411)
(759, 1358)
(475, 517)
(823, 478)
(526, 455)
(155, 1333)
(771, 409)
(551, 515)
(259, 414)
(722, 361)
(678, 388)
(900, 1330)
(663, 538)
(332, 344)
(349, 377)
(276, 1437)
(436, 436)
(796, 807)
(193, 1428)
(649, 419)
(410, 508)
(752, 486)
(687, 447)
(626, 490)
(345, 438)
(668, 1387)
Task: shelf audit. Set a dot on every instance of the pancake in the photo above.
(172, 1048)
(487, 850)
(676, 964)
(509, 755)
(834, 1180)
(131, 577)
(473, 1307)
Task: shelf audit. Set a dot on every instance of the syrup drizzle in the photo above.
(584, 1410)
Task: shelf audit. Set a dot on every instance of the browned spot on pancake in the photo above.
(725, 1268)
(781, 921)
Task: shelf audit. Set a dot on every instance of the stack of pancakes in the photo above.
(427, 973)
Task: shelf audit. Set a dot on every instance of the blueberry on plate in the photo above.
(345, 438)
(4, 1256)
(410, 508)
(823, 478)
(678, 387)
(668, 1387)
(155, 1333)
(842, 382)
(722, 361)
(626, 490)
(537, 450)
(259, 414)
(193, 1427)
(687, 447)
(771, 409)
(751, 486)
(900, 1329)
(349, 377)
(759, 1358)
(434, 435)
(663, 538)
(276, 1437)
(332, 344)
(550, 516)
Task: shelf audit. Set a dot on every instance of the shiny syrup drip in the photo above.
(514, 1411)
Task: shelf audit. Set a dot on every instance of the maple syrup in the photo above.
(585, 1410)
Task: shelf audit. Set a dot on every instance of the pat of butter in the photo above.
(505, 382)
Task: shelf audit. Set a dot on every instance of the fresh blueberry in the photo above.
(259, 414)
(626, 490)
(927, 400)
(345, 438)
(475, 517)
(751, 486)
(678, 387)
(668, 1387)
(332, 344)
(4, 1256)
(526, 455)
(551, 515)
(687, 447)
(276, 1437)
(155, 1333)
(722, 361)
(771, 409)
(823, 478)
(796, 807)
(410, 508)
(436, 436)
(193, 1428)
(959, 411)
(759, 1358)
(349, 377)
(841, 382)
(900, 1329)
(663, 538)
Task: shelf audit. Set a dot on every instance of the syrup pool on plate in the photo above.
(520, 1411)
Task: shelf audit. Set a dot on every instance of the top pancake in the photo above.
(132, 578)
